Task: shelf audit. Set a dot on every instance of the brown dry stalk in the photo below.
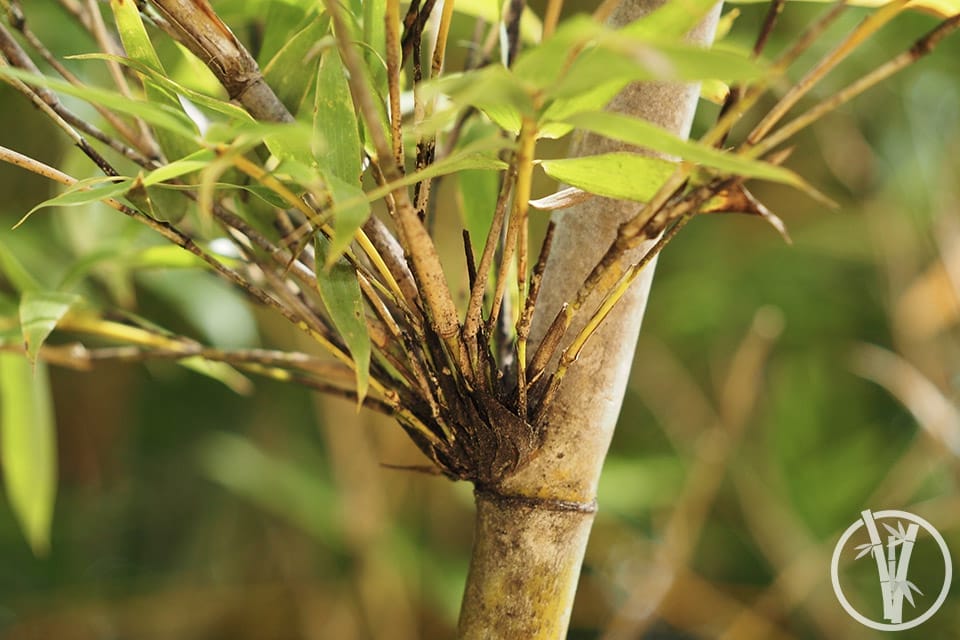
(197, 26)
(417, 243)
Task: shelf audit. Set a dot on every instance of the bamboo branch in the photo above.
(419, 247)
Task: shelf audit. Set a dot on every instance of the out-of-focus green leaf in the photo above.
(271, 482)
(221, 372)
(673, 19)
(629, 176)
(375, 37)
(478, 190)
(153, 113)
(40, 311)
(29, 446)
(939, 8)
(531, 28)
(343, 300)
(644, 134)
(292, 69)
(335, 120)
(494, 90)
(14, 272)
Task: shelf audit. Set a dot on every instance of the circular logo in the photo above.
(890, 545)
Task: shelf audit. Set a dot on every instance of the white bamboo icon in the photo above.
(892, 570)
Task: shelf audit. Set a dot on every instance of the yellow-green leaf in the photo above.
(343, 300)
(628, 176)
(335, 120)
(40, 311)
(28, 446)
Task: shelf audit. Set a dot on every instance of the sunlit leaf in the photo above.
(629, 176)
(29, 446)
(642, 133)
(343, 300)
(40, 311)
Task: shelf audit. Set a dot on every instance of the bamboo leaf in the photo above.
(644, 134)
(221, 372)
(29, 447)
(224, 108)
(14, 271)
(40, 311)
(673, 19)
(196, 161)
(343, 300)
(83, 192)
(292, 69)
(531, 28)
(351, 210)
(628, 176)
(156, 114)
(335, 120)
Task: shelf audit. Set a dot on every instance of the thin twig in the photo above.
(870, 25)
(422, 253)
(920, 48)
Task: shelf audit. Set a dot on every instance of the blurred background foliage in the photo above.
(758, 422)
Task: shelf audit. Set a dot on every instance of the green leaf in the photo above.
(28, 445)
(673, 19)
(282, 19)
(158, 115)
(531, 28)
(136, 42)
(133, 35)
(292, 69)
(627, 176)
(221, 372)
(14, 271)
(495, 90)
(375, 37)
(644, 134)
(478, 190)
(84, 192)
(40, 311)
(939, 8)
(351, 210)
(343, 300)
(273, 483)
(196, 161)
(335, 120)
(479, 155)
(224, 108)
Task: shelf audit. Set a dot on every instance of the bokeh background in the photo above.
(778, 390)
